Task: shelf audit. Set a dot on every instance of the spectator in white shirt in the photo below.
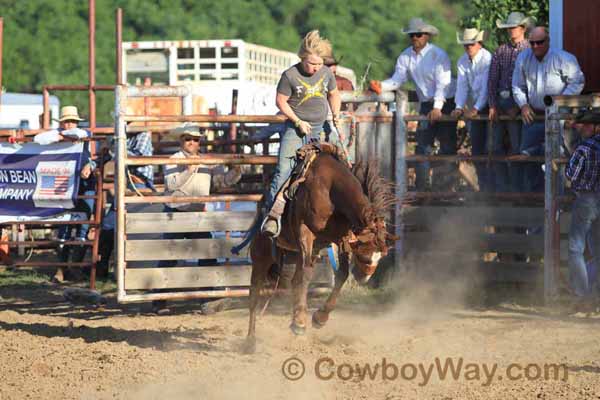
(473, 69)
(541, 71)
(429, 68)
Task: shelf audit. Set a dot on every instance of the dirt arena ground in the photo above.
(372, 348)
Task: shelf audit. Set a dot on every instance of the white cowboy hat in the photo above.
(188, 130)
(470, 36)
(69, 113)
(417, 25)
(515, 19)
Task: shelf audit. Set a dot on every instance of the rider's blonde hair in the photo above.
(314, 44)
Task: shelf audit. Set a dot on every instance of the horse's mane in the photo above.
(379, 190)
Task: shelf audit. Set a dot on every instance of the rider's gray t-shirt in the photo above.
(308, 93)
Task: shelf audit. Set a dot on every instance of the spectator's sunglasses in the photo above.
(417, 35)
(191, 138)
(537, 42)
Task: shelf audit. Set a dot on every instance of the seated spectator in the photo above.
(191, 181)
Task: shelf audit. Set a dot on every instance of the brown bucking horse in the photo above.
(332, 205)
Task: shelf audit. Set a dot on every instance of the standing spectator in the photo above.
(472, 97)
(541, 71)
(69, 131)
(305, 93)
(508, 176)
(429, 68)
(342, 83)
(583, 170)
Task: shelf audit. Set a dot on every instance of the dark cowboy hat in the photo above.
(589, 116)
(331, 60)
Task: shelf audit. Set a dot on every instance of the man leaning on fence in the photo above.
(472, 97)
(541, 71)
(508, 177)
(583, 170)
(429, 67)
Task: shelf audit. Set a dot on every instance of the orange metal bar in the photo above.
(97, 216)
(92, 61)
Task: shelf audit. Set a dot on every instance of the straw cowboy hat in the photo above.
(69, 113)
(417, 25)
(188, 130)
(470, 36)
(515, 19)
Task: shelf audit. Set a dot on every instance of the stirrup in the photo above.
(277, 221)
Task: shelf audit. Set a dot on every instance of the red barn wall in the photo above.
(581, 36)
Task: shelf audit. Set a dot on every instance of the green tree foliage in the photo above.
(45, 41)
(483, 14)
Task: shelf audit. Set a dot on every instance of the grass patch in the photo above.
(31, 277)
(22, 278)
(105, 286)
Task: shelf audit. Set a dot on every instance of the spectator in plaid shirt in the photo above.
(140, 144)
(139, 177)
(583, 171)
(508, 178)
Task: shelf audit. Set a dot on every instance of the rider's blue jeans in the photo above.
(291, 141)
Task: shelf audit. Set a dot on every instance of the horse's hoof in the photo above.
(318, 321)
(249, 346)
(298, 330)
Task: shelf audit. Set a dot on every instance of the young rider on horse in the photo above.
(305, 93)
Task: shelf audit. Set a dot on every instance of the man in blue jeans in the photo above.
(508, 177)
(583, 171)
(541, 71)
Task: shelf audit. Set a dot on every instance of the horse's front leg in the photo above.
(301, 280)
(320, 317)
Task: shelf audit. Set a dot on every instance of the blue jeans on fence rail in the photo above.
(533, 144)
(479, 140)
(585, 226)
(445, 132)
(509, 176)
(87, 187)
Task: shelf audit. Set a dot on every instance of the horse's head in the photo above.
(368, 247)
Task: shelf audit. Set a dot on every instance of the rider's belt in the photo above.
(504, 94)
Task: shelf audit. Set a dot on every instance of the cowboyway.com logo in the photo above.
(326, 368)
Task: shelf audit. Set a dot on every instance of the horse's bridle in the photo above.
(365, 236)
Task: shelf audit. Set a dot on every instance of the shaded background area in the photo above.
(45, 41)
